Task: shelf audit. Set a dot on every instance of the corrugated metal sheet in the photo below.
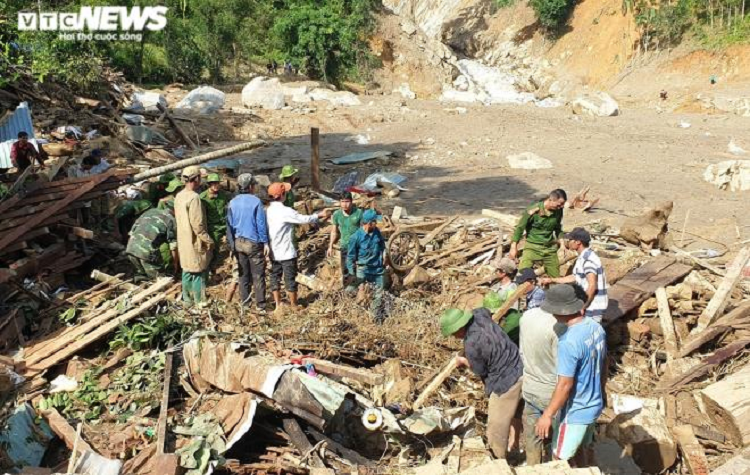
(18, 121)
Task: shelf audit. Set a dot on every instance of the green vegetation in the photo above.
(203, 40)
(161, 331)
(552, 13)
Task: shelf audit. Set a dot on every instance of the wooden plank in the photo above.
(638, 285)
(78, 231)
(315, 158)
(177, 127)
(161, 432)
(705, 367)
(299, 439)
(350, 455)
(436, 383)
(521, 291)
(724, 324)
(65, 431)
(52, 210)
(719, 301)
(692, 452)
(727, 405)
(361, 375)
(666, 322)
(436, 232)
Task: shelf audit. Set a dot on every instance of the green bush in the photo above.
(552, 14)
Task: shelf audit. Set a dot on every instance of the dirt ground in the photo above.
(456, 162)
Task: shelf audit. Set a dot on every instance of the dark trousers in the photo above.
(289, 269)
(253, 272)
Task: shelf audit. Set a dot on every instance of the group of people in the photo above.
(544, 369)
(187, 227)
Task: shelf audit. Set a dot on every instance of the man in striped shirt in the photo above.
(588, 272)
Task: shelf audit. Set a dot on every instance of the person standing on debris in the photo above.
(281, 219)
(541, 224)
(247, 238)
(193, 241)
(588, 272)
(535, 295)
(216, 201)
(366, 259)
(346, 221)
(495, 359)
(578, 397)
(539, 333)
(22, 152)
(290, 175)
(152, 247)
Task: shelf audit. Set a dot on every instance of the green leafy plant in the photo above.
(161, 331)
(552, 13)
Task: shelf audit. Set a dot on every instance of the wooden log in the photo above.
(65, 431)
(177, 127)
(521, 291)
(361, 375)
(436, 383)
(692, 452)
(299, 439)
(351, 456)
(666, 322)
(721, 326)
(719, 301)
(727, 405)
(113, 280)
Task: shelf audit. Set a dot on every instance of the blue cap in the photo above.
(369, 216)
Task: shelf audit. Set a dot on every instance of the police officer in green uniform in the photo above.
(290, 175)
(216, 200)
(152, 248)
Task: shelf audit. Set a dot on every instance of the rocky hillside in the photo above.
(469, 50)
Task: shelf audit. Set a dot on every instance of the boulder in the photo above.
(263, 92)
(336, 98)
(204, 99)
(147, 101)
(406, 92)
(528, 161)
(598, 104)
(732, 175)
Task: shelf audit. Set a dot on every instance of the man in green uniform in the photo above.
(126, 214)
(346, 221)
(290, 175)
(174, 186)
(154, 191)
(216, 200)
(541, 224)
(152, 248)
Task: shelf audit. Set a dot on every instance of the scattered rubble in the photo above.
(598, 104)
(731, 175)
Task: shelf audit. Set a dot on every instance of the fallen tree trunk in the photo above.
(726, 404)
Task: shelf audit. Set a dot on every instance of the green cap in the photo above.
(166, 178)
(174, 185)
(288, 171)
(213, 178)
(452, 320)
(492, 302)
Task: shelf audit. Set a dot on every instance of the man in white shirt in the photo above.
(588, 272)
(283, 252)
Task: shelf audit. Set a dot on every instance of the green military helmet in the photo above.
(288, 171)
(213, 178)
(166, 178)
(174, 185)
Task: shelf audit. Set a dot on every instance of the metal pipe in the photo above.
(197, 160)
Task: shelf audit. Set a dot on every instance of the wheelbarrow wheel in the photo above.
(403, 250)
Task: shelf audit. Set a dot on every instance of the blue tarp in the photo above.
(25, 440)
(360, 157)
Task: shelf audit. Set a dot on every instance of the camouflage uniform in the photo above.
(152, 240)
(128, 211)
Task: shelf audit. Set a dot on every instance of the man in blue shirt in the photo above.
(366, 260)
(247, 238)
(578, 398)
(535, 295)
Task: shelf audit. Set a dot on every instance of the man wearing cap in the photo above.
(169, 192)
(193, 241)
(577, 400)
(535, 294)
(152, 247)
(216, 201)
(346, 221)
(588, 272)
(365, 260)
(281, 219)
(247, 238)
(541, 224)
(539, 334)
(289, 174)
(494, 358)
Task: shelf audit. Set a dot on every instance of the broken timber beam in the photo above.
(726, 405)
(719, 301)
(177, 127)
(705, 367)
(361, 375)
(692, 451)
(349, 455)
(65, 431)
(436, 232)
(114, 280)
(522, 290)
(721, 326)
(666, 322)
(436, 383)
(299, 439)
